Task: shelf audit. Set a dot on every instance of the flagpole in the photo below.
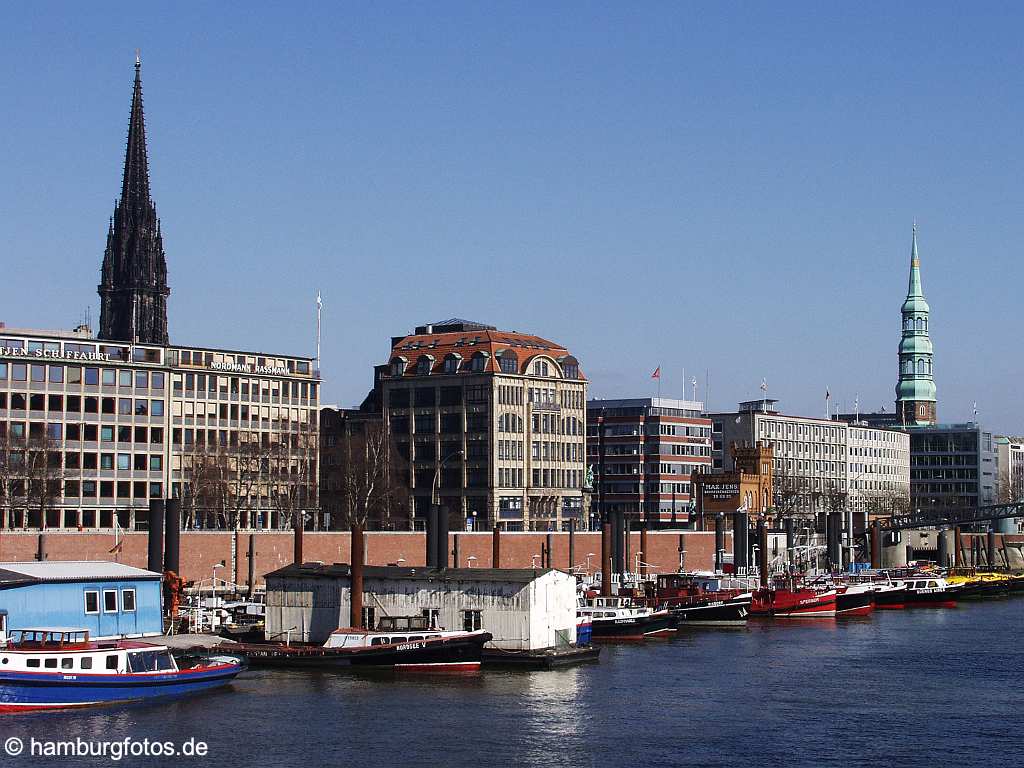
(319, 307)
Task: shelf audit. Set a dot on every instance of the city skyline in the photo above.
(773, 281)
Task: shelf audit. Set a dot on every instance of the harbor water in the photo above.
(924, 687)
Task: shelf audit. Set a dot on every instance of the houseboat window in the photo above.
(369, 617)
(933, 583)
(380, 641)
(50, 663)
(128, 600)
(32, 663)
(149, 661)
(433, 616)
(110, 601)
(111, 662)
(86, 662)
(472, 620)
(92, 601)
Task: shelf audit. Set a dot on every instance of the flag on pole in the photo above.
(764, 385)
(828, 395)
(657, 373)
(319, 301)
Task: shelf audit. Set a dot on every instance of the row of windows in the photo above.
(510, 450)
(208, 410)
(196, 384)
(922, 366)
(73, 374)
(508, 362)
(110, 602)
(89, 433)
(197, 357)
(110, 489)
(554, 451)
(556, 478)
(125, 406)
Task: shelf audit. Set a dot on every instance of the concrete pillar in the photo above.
(790, 541)
(572, 544)
(990, 554)
(496, 547)
(942, 548)
(958, 547)
(432, 512)
(876, 544)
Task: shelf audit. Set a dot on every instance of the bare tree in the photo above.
(295, 477)
(204, 488)
(11, 459)
(43, 472)
(1009, 490)
(790, 494)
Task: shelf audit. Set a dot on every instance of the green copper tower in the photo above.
(915, 392)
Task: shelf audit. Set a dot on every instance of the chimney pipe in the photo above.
(606, 560)
(496, 547)
(172, 536)
(356, 590)
(298, 526)
(442, 537)
(155, 561)
(432, 536)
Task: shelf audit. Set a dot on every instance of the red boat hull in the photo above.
(794, 604)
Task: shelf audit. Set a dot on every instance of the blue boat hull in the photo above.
(33, 691)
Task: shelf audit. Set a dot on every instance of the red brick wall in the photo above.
(200, 551)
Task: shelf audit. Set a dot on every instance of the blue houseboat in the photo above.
(110, 600)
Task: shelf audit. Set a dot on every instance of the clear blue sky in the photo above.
(723, 187)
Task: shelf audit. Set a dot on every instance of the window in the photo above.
(156, 407)
(423, 365)
(124, 461)
(112, 662)
(472, 620)
(110, 601)
(508, 362)
(86, 662)
(32, 663)
(398, 366)
(92, 598)
(67, 663)
(128, 600)
(478, 362)
(50, 663)
(451, 364)
(433, 616)
(369, 617)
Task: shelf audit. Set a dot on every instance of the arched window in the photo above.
(920, 323)
(540, 368)
(451, 363)
(508, 361)
(423, 365)
(921, 368)
(398, 366)
(908, 323)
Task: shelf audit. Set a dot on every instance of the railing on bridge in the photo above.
(923, 518)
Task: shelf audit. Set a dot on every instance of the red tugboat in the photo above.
(787, 600)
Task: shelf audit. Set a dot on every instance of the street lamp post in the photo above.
(439, 525)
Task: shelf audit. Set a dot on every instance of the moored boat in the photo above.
(60, 668)
(889, 596)
(402, 643)
(704, 599)
(794, 602)
(927, 591)
(616, 618)
(855, 600)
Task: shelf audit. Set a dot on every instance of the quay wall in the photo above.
(202, 550)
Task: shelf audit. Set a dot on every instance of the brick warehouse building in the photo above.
(494, 420)
(92, 428)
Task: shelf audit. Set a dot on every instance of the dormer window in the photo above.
(423, 365)
(398, 366)
(508, 361)
(540, 368)
(451, 363)
(570, 367)
(478, 363)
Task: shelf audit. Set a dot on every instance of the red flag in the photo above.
(657, 373)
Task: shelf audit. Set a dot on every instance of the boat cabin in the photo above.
(69, 650)
(391, 630)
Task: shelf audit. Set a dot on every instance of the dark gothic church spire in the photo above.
(133, 282)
